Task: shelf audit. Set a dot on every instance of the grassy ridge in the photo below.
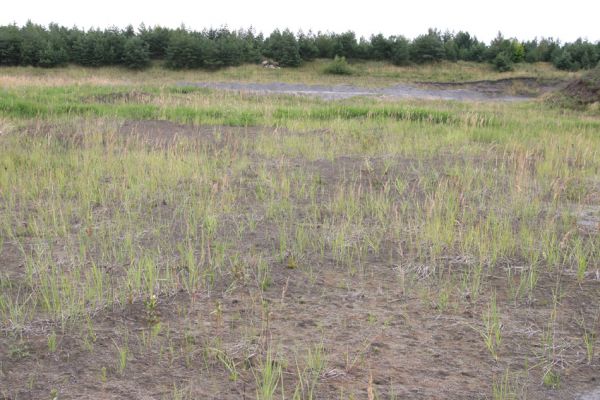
(369, 74)
(70, 102)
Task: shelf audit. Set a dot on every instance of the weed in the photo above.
(228, 363)
(359, 209)
(268, 377)
(122, 357)
(151, 309)
(508, 386)
(551, 379)
(492, 328)
(52, 342)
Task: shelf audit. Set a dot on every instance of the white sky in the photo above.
(524, 19)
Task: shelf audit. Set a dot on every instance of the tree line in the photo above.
(182, 48)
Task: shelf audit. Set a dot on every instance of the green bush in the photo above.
(339, 66)
(583, 54)
(96, 48)
(252, 46)
(10, 45)
(283, 48)
(55, 45)
(517, 51)
(345, 45)
(381, 47)
(52, 55)
(221, 48)
(157, 39)
(468, 47)
(325, 43)
(86, 50)
(184, 52)
(136, 53)
(563, 60)
(307, 46)
(427, 48)
(399, 51)
(503, 62)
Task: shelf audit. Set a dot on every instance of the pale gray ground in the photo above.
(470, 91)
(593, 395)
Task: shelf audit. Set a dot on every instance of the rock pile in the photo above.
(270, 64)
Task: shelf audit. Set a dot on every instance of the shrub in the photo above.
(96, 48)
(563, 60)
(283, 48)
(325, 43)
(450, 46)
(184, 52)
(534, 50)
(583, 53)
(345, 45)
(363, 49)
(475, 53)
(157, 39)
(252, 46)
(399, 51)
(339, 66)
(112, 45)
(468, 47)
(427, 48)
(503, 62)
(136, 53)
(381, 47)
(497, 46)
(511, 48)
(86, 50)
(517, 51)
(55, 45)
(33, 43)
(224, 49)
(52, 55)
(451, 50)
(10, 45)
(213, 55)
(307, 46)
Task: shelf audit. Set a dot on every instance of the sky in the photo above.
(523, 19)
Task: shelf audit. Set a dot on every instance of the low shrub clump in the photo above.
(503, 63)
(339, 66)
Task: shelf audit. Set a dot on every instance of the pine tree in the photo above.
(399, 51)
(283, 48)
(136, 53)
(427, 48)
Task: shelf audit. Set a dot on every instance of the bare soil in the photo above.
(585, 90)
(375, 333)
(513, 89)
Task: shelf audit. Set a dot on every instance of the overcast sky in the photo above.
(524, 19)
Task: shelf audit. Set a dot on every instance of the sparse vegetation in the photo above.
(185, 242)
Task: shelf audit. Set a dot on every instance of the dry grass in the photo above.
(368, 74)
(314, 250)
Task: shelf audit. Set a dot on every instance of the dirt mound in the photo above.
(518, 86)
(581, 92)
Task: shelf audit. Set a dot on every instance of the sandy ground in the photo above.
(370, 328)
(501, 90)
